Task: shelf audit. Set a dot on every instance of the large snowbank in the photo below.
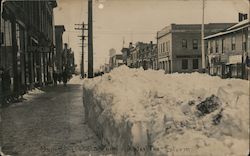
(175, 114)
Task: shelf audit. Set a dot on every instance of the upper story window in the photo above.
(222, 45)
(163, 46)
(216, 46)
(233, 43)
(184, 43)
(167, 46)
(244, 42)
(195, 44)
(210, 47)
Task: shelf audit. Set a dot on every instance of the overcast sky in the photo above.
(137, 20)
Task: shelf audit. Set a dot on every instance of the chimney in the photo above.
(130, 45)
(242, 17)
(65, 45)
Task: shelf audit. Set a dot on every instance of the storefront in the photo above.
(235, 67)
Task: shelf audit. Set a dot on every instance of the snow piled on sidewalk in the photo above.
(178, 114)
(32, 94)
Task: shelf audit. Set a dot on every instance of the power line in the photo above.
(82, 38)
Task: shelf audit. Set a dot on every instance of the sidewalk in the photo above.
(50, 123)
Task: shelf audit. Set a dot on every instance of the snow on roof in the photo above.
(237, 27)
(242, 23)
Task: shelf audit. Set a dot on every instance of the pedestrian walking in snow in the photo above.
(65, 77)
(55, 77)
(59, 77)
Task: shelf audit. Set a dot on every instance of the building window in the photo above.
(222, 45)
(233, 43)
(216, 46)
(184, 43)
(195, 44)
(244, 43)
(195, 64)
(211, 47)
(184, 64)
(163, 46)
(168, 45)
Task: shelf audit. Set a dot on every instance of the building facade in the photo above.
(27, 43)
(142, 55)
(228, 53)
(115, 61)
(179, 46)
(59, 30)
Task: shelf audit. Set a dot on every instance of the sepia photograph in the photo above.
(124, 78)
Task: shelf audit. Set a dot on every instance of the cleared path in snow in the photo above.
(52, 123)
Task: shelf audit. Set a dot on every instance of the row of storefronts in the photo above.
(27, 43)
(228, 52)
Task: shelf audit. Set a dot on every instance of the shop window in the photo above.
(184, 64)
(1, 38)
(195, 64)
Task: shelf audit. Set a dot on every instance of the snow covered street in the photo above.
(50, 122)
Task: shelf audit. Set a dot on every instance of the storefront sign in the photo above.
(235, 59)
(224, 58)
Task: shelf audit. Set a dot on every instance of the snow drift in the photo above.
(150, 113)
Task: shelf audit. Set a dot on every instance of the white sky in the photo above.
(137, 20)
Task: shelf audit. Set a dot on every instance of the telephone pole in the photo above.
(90, 39)
(202, 38)
(82, 28)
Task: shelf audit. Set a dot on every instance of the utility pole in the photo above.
(202, 38)
(82, 28)
(90, 40)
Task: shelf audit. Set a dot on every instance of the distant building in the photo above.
(228, 52)
(125, 55)
(138, 55)
(71, 62)
(115, 61)
(59, 30)
(104, 68)
(179, 46)
(68, 59)
(148, 55)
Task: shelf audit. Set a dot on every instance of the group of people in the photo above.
(60, 77)
(5, 79)
(5, 83)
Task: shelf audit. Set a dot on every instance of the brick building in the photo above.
(179, 46)
(142, 55)
(27, 48)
